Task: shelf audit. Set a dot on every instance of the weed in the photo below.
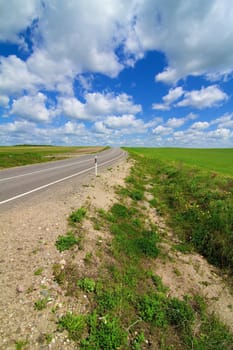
(74, 324)
(41, 304)
(88, 258)
(157, 281)
(179, 313)
(183, 247)
(104, 333)
(20, 344)
(77, 216)
(152, 308)
(108, 300)
(136, 195)
(177, 272)
(48, 338)
(66, 242)
(137, 341)
(39, 271)
(87, 284)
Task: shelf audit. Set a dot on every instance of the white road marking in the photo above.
(55, 182)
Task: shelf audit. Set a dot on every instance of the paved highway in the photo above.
(24, 181)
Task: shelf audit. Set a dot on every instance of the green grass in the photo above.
(41, 304)
(77, 216)
(215, 160)
(11, 156)
(67, 241)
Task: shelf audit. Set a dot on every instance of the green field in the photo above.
(218, 160)
(11, 156)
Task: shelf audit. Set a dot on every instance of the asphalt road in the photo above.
(24, 181)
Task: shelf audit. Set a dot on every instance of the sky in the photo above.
(154, 73)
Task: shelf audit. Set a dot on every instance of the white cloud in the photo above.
(106, 104)
(120, 125)
(200, 125)
(91, 33)
(32, 108)
(225, 121)
(185, 33)
(160, 107)
(15, 76)
(206, 97)
(4, 100)
(15, 17)
(173, 95)
(124, 121)
(175, 122)
(98, 105)
(72, 108)
(220, 133)
(162, 130)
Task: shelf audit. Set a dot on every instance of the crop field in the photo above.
(218, 160)
(22, 155)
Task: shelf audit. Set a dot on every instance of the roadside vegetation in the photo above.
(198, 203)
(128, 306)
(11, 156)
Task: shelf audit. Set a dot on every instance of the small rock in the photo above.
(20, 289)
(44, 293)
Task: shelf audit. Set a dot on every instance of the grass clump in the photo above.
(74, 324)
(39, 271)
(67, 241)
(77, 216)
(20, 344)
(87, 284)
(104, 333)
(41, 304)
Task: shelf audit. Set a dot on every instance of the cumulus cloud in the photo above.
(206, 97)
(4, 100)
(121, 125)
(16, 16)
(15, 76)
(225, 121)
(173, 95)
(162, 130)
(98, 105)
(32, 108)
(185, 33)
(176, 122)
(200, 125)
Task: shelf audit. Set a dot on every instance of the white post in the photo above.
(96, 166)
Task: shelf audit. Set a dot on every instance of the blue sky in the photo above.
(116, 72)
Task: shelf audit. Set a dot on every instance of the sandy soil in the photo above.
(28, 234)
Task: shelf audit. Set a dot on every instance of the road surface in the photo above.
(24, 181)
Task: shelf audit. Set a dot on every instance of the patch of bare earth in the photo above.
(191, 274)
(27, 255)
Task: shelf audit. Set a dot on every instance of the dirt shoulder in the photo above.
(28, 253)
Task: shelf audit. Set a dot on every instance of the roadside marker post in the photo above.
(96, 166)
